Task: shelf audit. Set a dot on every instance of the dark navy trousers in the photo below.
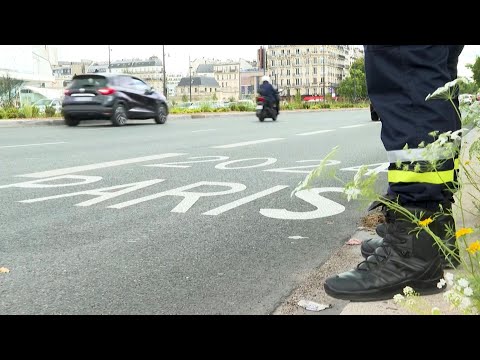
(398, 80)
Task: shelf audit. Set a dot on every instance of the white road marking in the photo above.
(352, 126)
(297, 237)
(75, 169)
(325, 207)
(195, 131)
(224, 208)
(102, 194)
(189, 197)
(39, 144)
(246, 143)
(314, 132)
(40, 183)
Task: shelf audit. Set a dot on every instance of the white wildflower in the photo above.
(466, 303)
(468, 291)
(436, 311)
(457, 135)
(398, 298)
(463, 282)
(446, 91)
(407, 290)
(449, 277)
(441, 283)
(352, 193)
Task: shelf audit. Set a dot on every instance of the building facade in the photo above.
(198, 88)
(228, 76)
(172, 82)
(149, 70)
(308, 69)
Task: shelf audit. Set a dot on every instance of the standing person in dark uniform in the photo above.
(398, 80)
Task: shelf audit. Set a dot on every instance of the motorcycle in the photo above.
(265, 110)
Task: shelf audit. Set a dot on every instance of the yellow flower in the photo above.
(474, 247)
(463, 231)
(425, 222)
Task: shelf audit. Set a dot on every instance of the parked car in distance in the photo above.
(114, 97)
(42, 104)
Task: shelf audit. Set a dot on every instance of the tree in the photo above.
(214, 97)
(184, 98)
(469, 88)
(8, 88)
(354, 86)
(475, 67)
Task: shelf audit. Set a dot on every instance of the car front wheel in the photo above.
(162, 114)
(119, 117)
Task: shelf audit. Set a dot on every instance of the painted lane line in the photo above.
(246, 143)
(314, 132)
(352, 126)
(221, 209)
(76, 169)
(195, 131)
(39, 144)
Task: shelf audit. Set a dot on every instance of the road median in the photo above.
(59, 121)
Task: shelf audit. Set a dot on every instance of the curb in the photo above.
(51, 122)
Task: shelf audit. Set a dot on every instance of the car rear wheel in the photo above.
(162, 114)
(119, 117)
(71, 121)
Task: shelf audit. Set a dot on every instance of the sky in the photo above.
(176, 59)
(176, 55)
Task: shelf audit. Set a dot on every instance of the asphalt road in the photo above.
(204, 224)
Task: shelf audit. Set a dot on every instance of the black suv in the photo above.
(115, 97)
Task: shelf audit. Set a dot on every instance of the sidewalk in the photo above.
(348, 256)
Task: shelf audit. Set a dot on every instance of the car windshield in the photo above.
(88, 81)
(43, 102)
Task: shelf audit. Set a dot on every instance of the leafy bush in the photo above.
(27, 110)
(35, 112)
(50, 111)
(3, 113)
(21, 113)
(12, 113)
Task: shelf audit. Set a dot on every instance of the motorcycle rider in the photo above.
(270, 93)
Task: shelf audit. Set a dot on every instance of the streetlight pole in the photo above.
(190, 72)
(109, 62)
(164, 73)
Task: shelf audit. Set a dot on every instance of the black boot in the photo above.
(368, 247)
(439, 227)
(402, 260)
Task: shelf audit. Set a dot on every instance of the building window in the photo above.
(281, 82)
(288, 82)
(297, 82)
(297, 51)
(314, 60)
(273, 63)
(297, 71)
(288, 72)
(314, 71)
(288, 52)
(205, 89)
(314, 80)
(297, 61)
(196, 89)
